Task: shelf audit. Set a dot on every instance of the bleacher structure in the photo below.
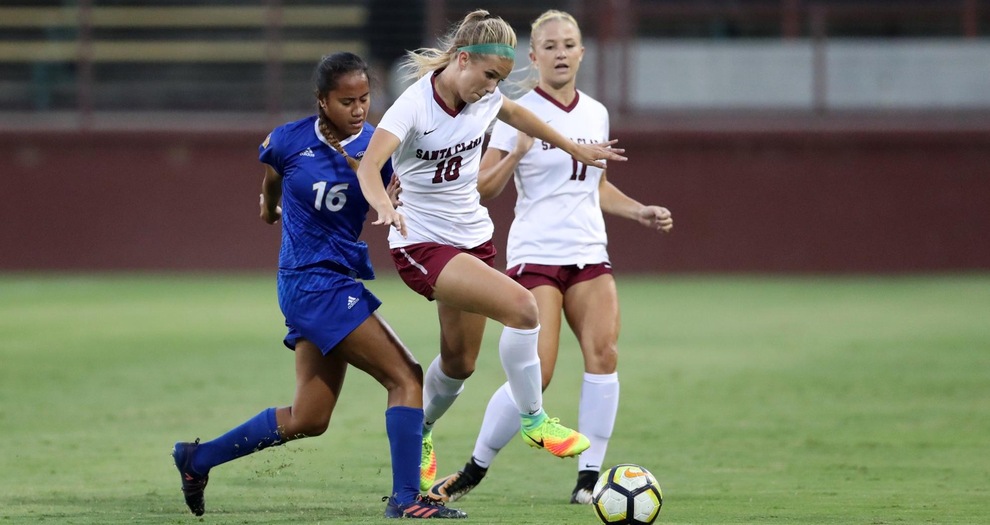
(162, 55)
(180, 57)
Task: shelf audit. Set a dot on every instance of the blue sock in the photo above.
(405, 438)
(261, 431)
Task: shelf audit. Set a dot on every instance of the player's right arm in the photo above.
(497, 167)
(381, 147)
(614, 202)
(271, 193)
(524, 120)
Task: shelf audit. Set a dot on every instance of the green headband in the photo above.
(502, 50)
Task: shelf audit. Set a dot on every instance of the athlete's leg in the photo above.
(468, 285)
(374, 348)
(592, 311)
(501, 421)
(549, 301)
(319, 379)
(460, 342)
(318, 382)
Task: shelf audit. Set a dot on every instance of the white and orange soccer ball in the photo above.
(627, 495)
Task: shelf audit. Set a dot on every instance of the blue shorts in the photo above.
(322, 306)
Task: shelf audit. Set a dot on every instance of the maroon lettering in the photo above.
(448, 170)
(574, 172)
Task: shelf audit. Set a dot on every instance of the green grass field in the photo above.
(856, 400)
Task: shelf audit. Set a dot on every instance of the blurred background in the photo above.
(788, 136)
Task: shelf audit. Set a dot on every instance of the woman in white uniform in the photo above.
(441, 236)
(557, 249)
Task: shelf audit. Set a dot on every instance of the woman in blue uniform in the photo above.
(331, 317)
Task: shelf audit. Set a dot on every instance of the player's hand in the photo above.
(656, 217)
(268, 214)
(394, 188)
(393, 218)
(595, 154)
(523, 143)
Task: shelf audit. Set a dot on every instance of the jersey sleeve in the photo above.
(504, 136)
(269, 151)
(400, 119)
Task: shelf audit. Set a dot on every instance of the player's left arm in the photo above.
(526, 121)
(271, 193)
(614, 202)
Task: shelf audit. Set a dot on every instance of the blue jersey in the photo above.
(323, 209)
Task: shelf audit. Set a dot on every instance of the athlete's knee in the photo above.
(523, 313)
(408, 377)
(603, 358)
(308, 426)
(459, 366)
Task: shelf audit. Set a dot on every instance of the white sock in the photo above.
(439, 392)
(521, 362)
(596, 416)
(500, 425)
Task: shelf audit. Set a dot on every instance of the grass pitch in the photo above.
(753, 400)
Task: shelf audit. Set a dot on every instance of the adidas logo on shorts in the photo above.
(351, 301)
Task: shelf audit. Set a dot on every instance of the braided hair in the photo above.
(325, 77)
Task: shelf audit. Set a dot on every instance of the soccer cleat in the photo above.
(556, 438)
(193, 484)
(421, 508)
(456, 485)
(586, 480)
(427, 463)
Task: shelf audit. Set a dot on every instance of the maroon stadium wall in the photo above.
(785, 201)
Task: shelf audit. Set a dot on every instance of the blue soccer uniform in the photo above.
(323, 212)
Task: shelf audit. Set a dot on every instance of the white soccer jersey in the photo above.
(437, 164)
(558, 219)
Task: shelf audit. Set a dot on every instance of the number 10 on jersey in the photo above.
(448, 170)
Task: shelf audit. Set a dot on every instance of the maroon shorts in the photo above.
(560, 277)
(420, 264)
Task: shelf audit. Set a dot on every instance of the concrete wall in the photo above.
(874, 74)
(785, 201)
(782, 74)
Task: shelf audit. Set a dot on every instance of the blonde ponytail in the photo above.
(478, 27)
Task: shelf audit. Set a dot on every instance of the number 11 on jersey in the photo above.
(574, 172)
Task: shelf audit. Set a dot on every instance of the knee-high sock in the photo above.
(500, 425)
(261, 431)
(439, 392)
(596, 416)
(521, 362)
(405, 439)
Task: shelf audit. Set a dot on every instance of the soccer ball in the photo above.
(627, 495)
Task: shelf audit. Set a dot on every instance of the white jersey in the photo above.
(558, 219)
(437, 163)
